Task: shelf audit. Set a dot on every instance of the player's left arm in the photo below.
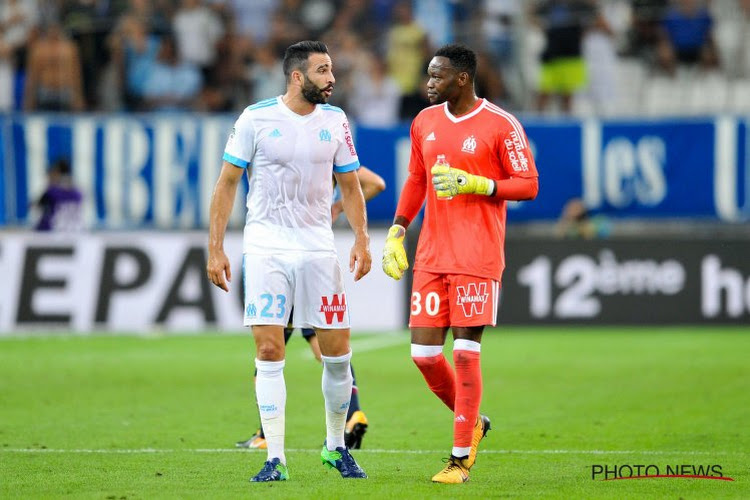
(516, 160)
(449, 181)
(360, 259)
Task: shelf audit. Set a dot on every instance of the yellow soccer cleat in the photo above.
(257, 441)
(455, 472)
(480, 430)
(356, 427)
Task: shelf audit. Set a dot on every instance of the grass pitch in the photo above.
(127, 417)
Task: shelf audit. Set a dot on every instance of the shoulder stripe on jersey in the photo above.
(328, 107)
(237, 162)
(346, 168)
(264, 104)
(430, 107)
(511, 119)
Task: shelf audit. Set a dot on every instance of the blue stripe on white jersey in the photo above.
(237, 162)
(346, 168)
(328, 107)
(264, 103)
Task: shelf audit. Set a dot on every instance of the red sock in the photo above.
(468, 395)
(439, 376)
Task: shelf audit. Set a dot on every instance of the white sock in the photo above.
(461, 452)
(337, 391)
(270, 390)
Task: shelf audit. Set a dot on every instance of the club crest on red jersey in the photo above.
(336, 307)
(470, 145)
(472, 298)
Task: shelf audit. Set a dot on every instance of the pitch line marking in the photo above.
(368, 451)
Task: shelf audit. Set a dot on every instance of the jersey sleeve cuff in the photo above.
(237, 162)
(346, 168)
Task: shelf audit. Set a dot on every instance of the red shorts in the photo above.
(443, 300)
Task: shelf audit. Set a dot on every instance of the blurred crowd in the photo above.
(551, 56)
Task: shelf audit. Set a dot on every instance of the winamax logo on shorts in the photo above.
(472, 298)
(336, 307)
(606, 472)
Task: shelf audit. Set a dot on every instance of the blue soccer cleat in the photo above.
(273, 470)
(341, 460)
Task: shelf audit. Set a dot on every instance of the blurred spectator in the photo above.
(197, 30)
(407, 48)
(265, 74)
(600, 46)
(315, 16)
(252, 19)
(286, 29)
(376, 97)
(355, 16)
(732, 35)
(686, 33)
(135, 49)
(436, 17)
(576, 222)
(60, 203)
(563, 71)
(17, 19)
(88, 23)
(53, 81)
(645, 34)
(411, 104)
(169, 84)
(489, 82)
(349, 60)
(498, 17)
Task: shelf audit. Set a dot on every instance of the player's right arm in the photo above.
(238, 153)
(222, 201)
(409, 203)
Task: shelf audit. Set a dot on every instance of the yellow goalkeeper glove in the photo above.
(448, 182)
(394, 255)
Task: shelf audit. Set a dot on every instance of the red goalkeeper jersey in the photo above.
(464, 235)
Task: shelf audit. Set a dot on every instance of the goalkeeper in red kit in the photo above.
(468, 158)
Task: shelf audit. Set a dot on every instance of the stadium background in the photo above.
(652, 148)
(643, 216)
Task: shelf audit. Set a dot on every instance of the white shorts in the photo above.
(311, 282)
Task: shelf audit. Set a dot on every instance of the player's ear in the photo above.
(297, 77)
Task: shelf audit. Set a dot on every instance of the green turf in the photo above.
(125, 417)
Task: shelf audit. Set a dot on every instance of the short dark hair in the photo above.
(295, 57)
(462, 58)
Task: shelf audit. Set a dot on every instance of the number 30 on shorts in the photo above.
(430, 305)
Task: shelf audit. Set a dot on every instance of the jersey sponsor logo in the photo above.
(348, 139)
(275, 133)
(430, 137)
(336, 307)
(325, 135)
(472, 298)
(470, 145)
(516, 153)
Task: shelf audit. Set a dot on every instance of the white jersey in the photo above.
(292, 159)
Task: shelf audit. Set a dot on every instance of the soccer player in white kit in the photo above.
(290, 146)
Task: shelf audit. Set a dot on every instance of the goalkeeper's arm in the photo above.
(448, 182)
(412, 197)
